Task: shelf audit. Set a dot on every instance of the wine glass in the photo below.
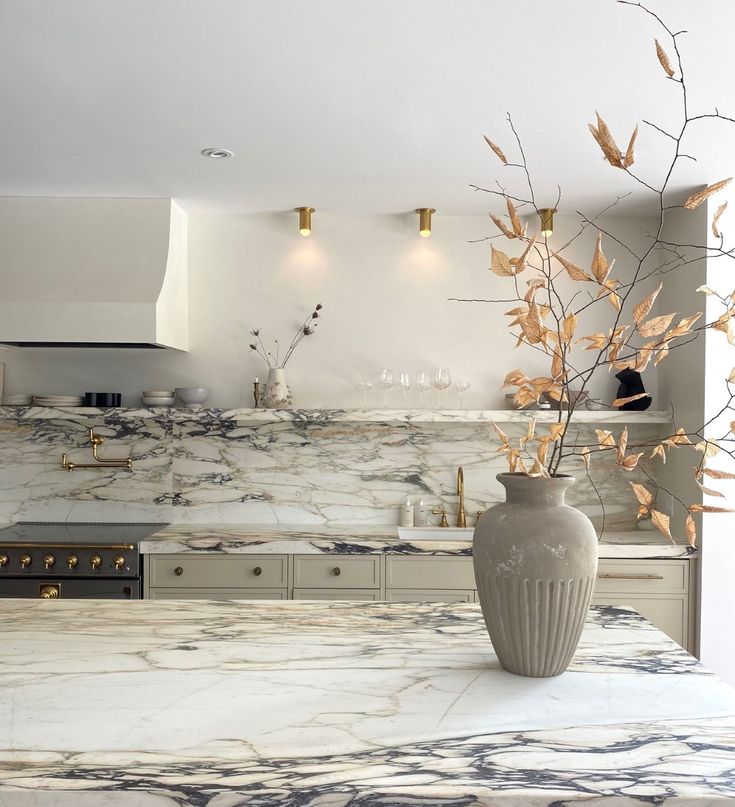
(385, 382)
(404, 382)
(423, 382)
(442, 380)
(461, 386)
(365, 387)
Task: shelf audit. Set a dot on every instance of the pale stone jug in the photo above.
(535, 561)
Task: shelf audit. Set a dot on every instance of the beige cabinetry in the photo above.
(661, 590)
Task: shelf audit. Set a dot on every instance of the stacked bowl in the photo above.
(158, 397)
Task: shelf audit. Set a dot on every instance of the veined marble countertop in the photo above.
(360, 540)
(298, 704)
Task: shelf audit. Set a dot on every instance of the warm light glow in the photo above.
(546, 215)
(305, 220)
(425, 220)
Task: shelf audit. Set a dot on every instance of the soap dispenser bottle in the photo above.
(421, 514)
(407, 513)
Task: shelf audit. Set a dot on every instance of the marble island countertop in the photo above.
(360, 540)
(223, 704)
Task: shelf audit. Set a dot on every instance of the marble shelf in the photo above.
(254, 417)
(216, 704)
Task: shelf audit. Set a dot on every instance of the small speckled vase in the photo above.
(535, 561)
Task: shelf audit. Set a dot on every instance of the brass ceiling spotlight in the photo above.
(546, 214)
(305, 220)
(425, 220)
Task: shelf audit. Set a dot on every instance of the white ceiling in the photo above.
(347, 105)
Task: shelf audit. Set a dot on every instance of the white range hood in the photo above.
(93, 273)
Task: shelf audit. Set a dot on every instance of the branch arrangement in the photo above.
(545, 313)
(273, 360)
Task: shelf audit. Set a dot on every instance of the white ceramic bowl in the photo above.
(192, 396)
(154, 401)
(158, 393)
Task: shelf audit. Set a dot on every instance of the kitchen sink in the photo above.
(435, 533)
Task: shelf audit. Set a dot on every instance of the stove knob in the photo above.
(119, 563)
(49, 561)
(72, 561)
(51, 592)
(3, 560)
(95, 562)
(25, 561)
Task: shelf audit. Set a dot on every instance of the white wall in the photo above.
(384, 291)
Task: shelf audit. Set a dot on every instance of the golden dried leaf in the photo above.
(498, 151)
(543, 450)
(618, 402)
(661, 521)
(524, 397)
(708, 508)
(513, 215)
(520, 263)
(717, 474)
(605, 438)
(568, 327)
(664, 59)
(501, 434)
(715, 230)
(731, 377)
(642, 493)
(662, 353)
(574, 271)
(531, 431)
(679, 439)
(710, 491)
(586, 457)
(500, 263)
(600, 268)
(705, 290)
(691, 531)
(641, 311)
(556, 431)
(513, 460)
(630, 462)
(521, 466)
(597, 341)
(629, 158)
(623, 441)
(500, 224)
(532, 328)
(656, 325)
(708, 448)
(536, 469)
(696, 199)
(605, 141)
(514, 378)
(557, 366)
(684, 326)
(659, 451)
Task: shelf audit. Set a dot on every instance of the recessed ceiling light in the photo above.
(217, 154)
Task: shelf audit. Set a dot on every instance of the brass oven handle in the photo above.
(613, 576)
(257, 571)
(336, 571)
(178, 571)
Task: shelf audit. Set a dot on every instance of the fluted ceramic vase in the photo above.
(535, 561)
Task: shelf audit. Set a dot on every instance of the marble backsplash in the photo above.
(208, 468)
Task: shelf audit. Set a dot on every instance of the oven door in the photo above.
(49, 588)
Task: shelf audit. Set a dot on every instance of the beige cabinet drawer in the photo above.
(433, 571)
(643, 577)
(336, 571)
(215, 571)
(429, 595)
(335, 594)
(218, 594)
(667, 613)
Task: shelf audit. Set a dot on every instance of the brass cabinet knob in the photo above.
(119, 563)
(336, 571)
(95, 562)
(25, 561)
(257, 571)
(48, 561)
(49, 592)
(178, 571)
(72, 561)
(3, 560)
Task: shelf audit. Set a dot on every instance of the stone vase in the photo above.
(277, 394)
(535, 561)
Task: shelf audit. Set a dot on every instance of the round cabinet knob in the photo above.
(119, 563)
(49, 592)
(178, 571)
(257, 571)
(3, 560)
(25, 561)
(336, 571)
(95, 562)
(72, 561)
(48, 561)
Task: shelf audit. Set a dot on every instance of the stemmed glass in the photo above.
(365, 387)
(423, 382)
(385, 382)
(461, 387)
(404, 382)
(442, 380)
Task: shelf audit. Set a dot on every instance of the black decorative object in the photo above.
(102, 399)
(631, 384)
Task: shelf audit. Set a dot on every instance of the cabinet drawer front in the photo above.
(668, 614)
(218, 594)
(336, 571)
(642, 577)
(335, 594)
(430, 595)
(215, 571)
(435, 571)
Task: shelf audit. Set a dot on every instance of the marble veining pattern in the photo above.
(346, 705)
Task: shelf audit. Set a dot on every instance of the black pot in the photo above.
(102, 399)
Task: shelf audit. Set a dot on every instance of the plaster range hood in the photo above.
(93, 273)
